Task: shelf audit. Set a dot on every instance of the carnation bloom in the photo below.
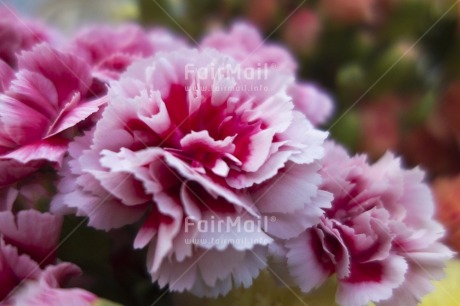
(187, 138)
(49, 94)
(378, 237)
(17, 34)
(244, 43)
(27, 257)
(111, 50)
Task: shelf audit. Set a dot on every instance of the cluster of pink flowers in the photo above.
(145, 129)
(30, 274)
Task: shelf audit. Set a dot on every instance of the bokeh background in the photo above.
(392, 67)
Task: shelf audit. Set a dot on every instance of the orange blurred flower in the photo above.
(302, 30)
(347, 11)
(447, 195)
(380, 128)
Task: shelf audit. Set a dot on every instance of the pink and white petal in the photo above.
(182, 246)
(242, 269)
(204, 274)
(269, 169)
(418, 282)
(6, 76)
(276, 111)
(303, 263)
(240, 231)
(77, 113)
(8, 279)
(123, 186)
(291, 190)
(22, 265)
(127, 159)
(189, 200)
(147, 231)
(203, 141)
(104, 212)
(69, 73)
(226, 86)
(52, 150)
(290, 225)
(278, 264)
(254, 261)
(167, 230)
(178, 275)
(33, 233)
(316, 105)
(306, 142)
(334, 246)
(362, 287)
(286, 226)
(14, 269)
(76, 149)
(20, 124)
(155, 114)
(258, 147)
(210, 264)
(417, 198)
(36, 91)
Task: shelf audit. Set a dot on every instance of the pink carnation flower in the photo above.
(378, 237)
(28, 275)
(185, 140)
(18, 34)
(245, 44)
(111, 50)
(49, 94)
